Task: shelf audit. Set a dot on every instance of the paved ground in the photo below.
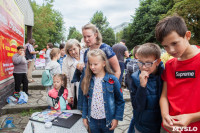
(123, 125)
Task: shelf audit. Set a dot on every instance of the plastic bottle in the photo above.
(11, 100)
(8, 123)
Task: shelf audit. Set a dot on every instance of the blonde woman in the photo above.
(93, 40)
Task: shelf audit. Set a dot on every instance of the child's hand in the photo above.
(56, 106)
(144, 75)
(35, 46)
(168, 122)
(80, 66)
(69, 101)
(182, 120)
(85, 122)
(114, 124)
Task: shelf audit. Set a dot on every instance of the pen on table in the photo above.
(33, 127)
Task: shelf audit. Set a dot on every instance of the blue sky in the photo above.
(79, 12)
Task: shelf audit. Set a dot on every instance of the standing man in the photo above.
(121, 50)
(30, 57)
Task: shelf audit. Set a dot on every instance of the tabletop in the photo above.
(78, 127)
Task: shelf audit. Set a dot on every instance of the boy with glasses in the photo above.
(146, 90)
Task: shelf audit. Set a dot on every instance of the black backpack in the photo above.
(131, 67)
(28, 55)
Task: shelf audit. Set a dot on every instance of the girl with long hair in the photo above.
(103, 100)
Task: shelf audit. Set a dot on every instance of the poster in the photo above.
(11, 35)
(40, 63)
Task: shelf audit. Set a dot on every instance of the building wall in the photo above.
(26, 9)
(6, 89)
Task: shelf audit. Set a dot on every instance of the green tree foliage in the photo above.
(74, 34)
(100, 21)
(126, 35)
(48, 24)
(189, 10)
(109, 36)
(103, 25)
(119, 36)
(142, 28)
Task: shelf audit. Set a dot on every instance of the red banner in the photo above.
(11, 35)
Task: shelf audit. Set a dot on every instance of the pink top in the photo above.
(54, 94)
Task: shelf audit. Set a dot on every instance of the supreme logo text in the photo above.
(185, 74)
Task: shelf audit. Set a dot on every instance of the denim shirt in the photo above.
(113, 99)
(78, 76)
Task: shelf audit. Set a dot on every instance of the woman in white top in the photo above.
(73, 60)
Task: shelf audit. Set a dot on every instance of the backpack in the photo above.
(47, 79)
(63, 105)
(28, 55)
(53, 101)
(131, 67)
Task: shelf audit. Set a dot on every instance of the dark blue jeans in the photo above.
(99, 126)
(122, 67)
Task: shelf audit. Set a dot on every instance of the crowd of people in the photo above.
(164, 96)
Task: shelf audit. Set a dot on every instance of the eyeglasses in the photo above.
(147, 64)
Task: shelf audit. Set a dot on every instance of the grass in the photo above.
(30, 112)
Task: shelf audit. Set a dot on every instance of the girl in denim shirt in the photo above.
(103, 103)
